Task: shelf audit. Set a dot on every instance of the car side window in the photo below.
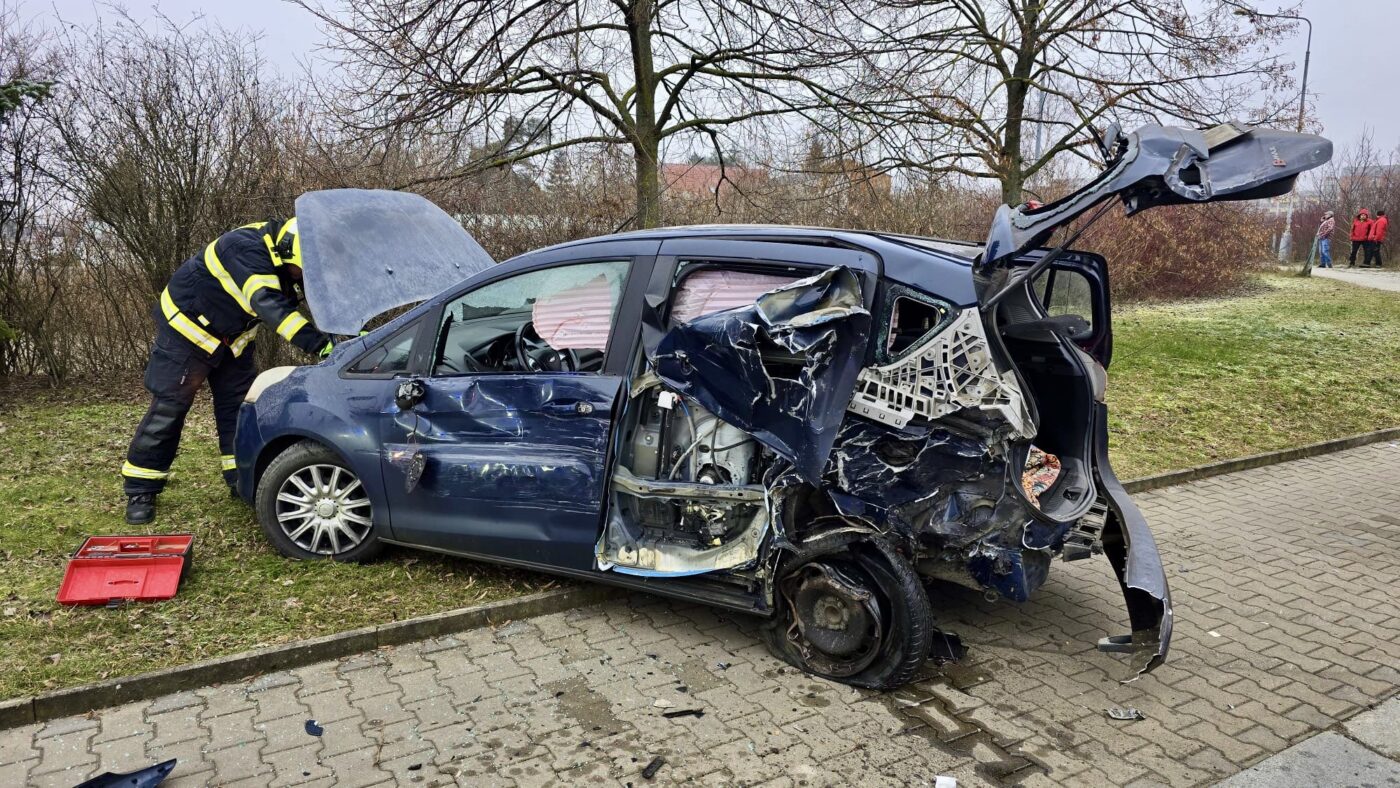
(913, 318)
(552, 320)
(1065, 292)
(389, 357)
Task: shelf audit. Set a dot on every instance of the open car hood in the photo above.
(1163, 165)
(368, 251)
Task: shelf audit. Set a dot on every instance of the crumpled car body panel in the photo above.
(1161, 165)
(717, 360)
(1132, 551)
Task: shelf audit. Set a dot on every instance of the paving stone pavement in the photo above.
(1284, 581)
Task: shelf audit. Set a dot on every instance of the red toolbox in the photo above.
(109, 570)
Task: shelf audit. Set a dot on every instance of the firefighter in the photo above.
(206, 321)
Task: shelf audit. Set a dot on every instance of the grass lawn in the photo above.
(1296, 362)
(1300, 361)
(59, 483)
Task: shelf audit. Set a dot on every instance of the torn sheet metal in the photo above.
(782, 368)
(655, 558)
(952, 370)
(1013, 572)
(625, 549)
(950, 497)
(626, 482)
(1162, 165)
(149, 777)
(921, 477)
(1130, 548)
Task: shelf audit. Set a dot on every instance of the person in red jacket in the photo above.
(1375, 239)
(1360, 233)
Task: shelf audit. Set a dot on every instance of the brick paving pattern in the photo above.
(1284, 581)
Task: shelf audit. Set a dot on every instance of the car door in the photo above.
(505, 451)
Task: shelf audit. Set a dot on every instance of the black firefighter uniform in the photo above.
(206, 322)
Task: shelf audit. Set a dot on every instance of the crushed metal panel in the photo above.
(1164, 165)
(952, 370)
(782, 369)
(649, 557)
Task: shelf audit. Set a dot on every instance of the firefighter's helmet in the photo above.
(287, 244)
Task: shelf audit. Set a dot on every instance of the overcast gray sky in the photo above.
(1353, 79)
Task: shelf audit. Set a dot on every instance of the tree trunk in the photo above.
(648, 186)
(646, 140)
(1013, 162)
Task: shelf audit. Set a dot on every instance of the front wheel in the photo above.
(858, 616)
(311, 505)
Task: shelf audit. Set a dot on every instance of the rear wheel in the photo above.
(858, 616)
(311, 505)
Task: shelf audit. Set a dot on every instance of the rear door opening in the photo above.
(1056, 331)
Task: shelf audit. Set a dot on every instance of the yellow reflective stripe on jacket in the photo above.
(227, 462)
(211, 262)
(241, 343)
(257, 282)
(187, 328)
(137, 472)
(290, 325)
(271, 249)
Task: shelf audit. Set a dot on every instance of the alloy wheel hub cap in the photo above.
(323, 509)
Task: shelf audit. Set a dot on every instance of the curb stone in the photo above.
(83, 699)
(86, 698)
(1259, 460)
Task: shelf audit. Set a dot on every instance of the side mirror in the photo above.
(409, 393)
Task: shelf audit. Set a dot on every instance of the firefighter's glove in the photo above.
(326, 351)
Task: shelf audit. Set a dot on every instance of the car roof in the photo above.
(939, 267)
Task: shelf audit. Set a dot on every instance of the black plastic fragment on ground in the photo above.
(653, 767)
(148, 777)
(671, 715)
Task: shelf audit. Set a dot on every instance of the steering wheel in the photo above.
(528, 344)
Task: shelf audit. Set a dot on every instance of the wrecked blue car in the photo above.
(803, 424)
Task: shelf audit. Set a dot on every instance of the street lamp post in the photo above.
(1285, 242)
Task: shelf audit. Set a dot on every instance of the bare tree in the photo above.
(508, 80)
(172, 137)
(1361, 175)
(27, 73)
(984, 80)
